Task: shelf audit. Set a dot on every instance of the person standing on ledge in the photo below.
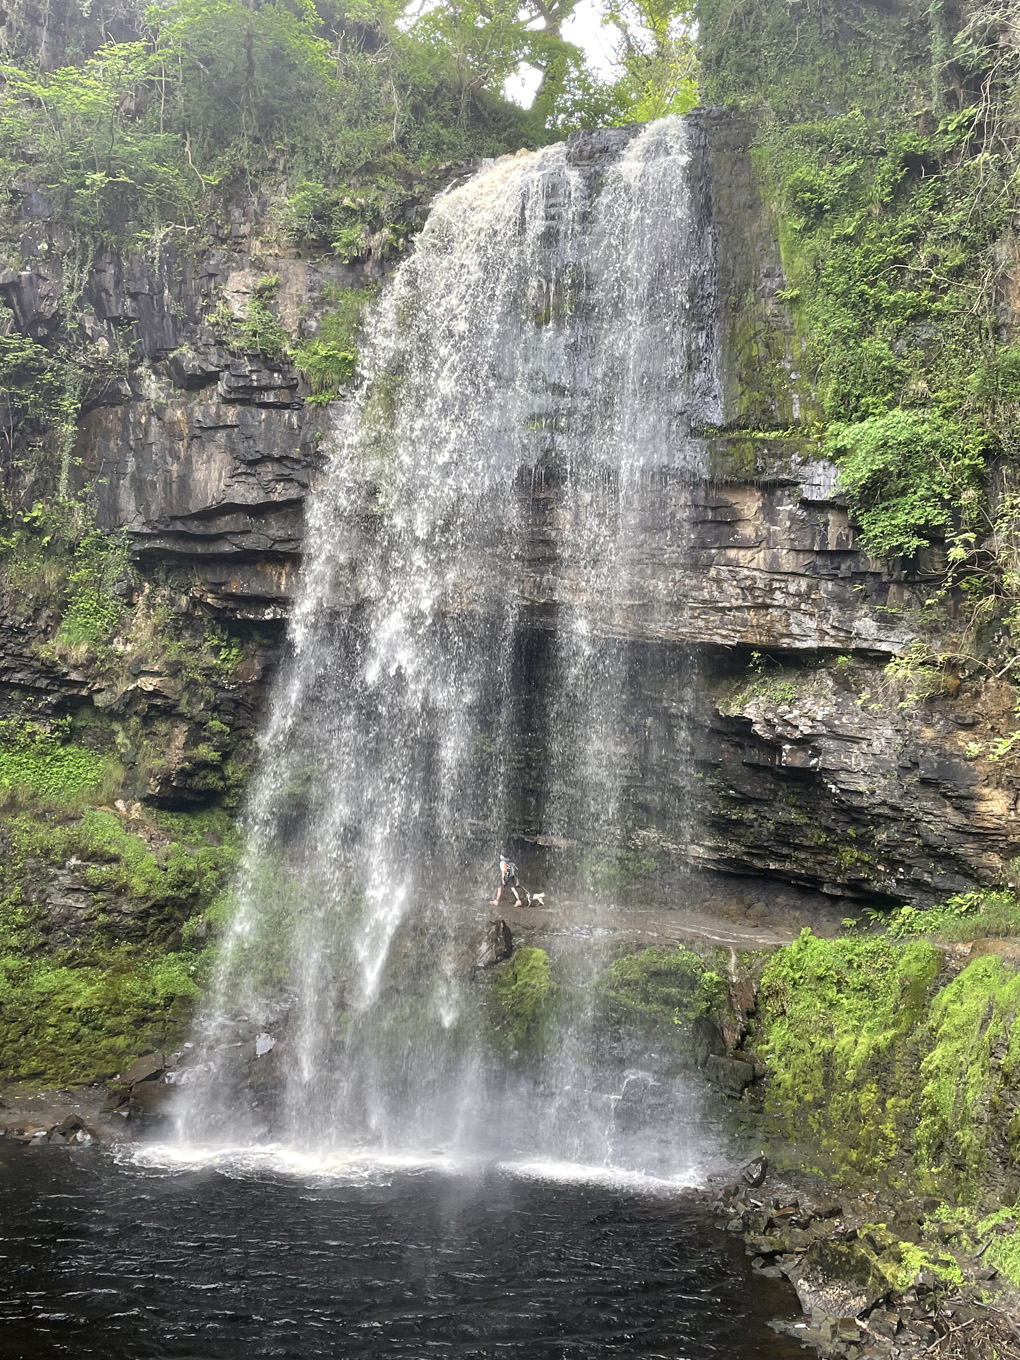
(507, 879)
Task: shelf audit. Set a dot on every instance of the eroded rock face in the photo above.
(727, 562)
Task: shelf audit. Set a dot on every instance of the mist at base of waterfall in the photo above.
(586, 1085)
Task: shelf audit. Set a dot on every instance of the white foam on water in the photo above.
(611, 1177)
(370, 1166)
(349, 1165)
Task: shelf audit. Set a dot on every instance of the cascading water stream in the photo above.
(556, 321)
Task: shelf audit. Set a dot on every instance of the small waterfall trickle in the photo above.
(554, 325)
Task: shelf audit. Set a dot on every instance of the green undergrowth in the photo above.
(328, 359)
(38, 759)
(76, 1019)
(889, 1067)
(988, 913)
(521, 1000)
(672, 986)
(87, 987)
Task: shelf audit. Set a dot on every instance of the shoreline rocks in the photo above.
(864, 1289)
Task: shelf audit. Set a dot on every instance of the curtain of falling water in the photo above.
(558, 314)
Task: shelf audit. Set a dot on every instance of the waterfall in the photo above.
(546, 353)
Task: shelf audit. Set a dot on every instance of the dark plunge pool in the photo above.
(105, 1259)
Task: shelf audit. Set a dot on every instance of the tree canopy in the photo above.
(205, 93)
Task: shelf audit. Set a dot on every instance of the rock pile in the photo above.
(866, 1294)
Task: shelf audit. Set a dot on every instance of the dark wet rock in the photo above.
(883, 1323)
(839, 1279)
(707, 1040)
(30, 1132)
(146, 1068)
(150, 1098)
(495, 945)
(744, 996)
(730, 1075)
(755, 1171)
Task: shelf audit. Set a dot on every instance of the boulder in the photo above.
(755, 1171)
(495, 945)
(150, 1098)
(840, 1279)
(729, 1074)
(146, 1068)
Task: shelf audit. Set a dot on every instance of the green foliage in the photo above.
(102, 165)
(243, 80)
(520, 1000)
(214, 96)
(38, 759)
(327, 360)
(910, 477)
(76, 1019)
(895, 190)
(837, 1022)
(37, 384)
(657, 52)
(93, 610)
(672, 985)
(965, 916)
(787, 58)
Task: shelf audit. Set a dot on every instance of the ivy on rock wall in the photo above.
(887, 148)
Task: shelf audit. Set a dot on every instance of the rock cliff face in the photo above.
(813, 766)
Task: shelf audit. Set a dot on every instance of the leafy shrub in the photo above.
(327, 360)
(910, 477)
(965, 916)
(39, 760)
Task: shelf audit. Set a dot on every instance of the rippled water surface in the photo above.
(100, 1259)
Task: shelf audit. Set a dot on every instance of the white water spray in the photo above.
(553, 335)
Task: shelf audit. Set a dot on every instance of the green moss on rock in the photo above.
(83, 993)
(890, 1068)
(837, 1024)
(521, 999)
(972, 1055)
(673, 986)
(68, 1021)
